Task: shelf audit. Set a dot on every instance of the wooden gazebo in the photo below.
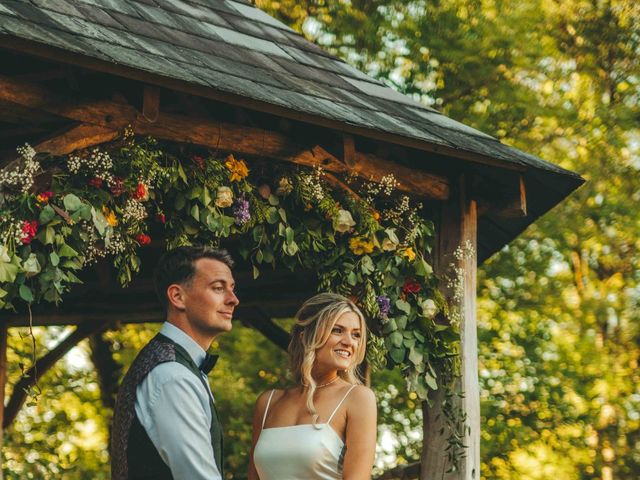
(224, 75)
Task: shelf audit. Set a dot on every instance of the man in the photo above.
(165, 422)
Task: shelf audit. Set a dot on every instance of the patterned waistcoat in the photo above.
(133, 455)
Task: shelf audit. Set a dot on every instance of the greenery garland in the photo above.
(364, 240)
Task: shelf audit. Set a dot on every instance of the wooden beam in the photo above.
(457, 231)
(151, 103)
(76, 138)
(222, 136)
(262, 323)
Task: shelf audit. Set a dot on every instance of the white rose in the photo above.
(429, 308)
(343, 221)
(224, 197)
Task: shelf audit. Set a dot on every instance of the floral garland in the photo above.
(61, 214)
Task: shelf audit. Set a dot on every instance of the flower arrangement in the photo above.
(114, 201)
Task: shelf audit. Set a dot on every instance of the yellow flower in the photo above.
(361, 245)
(409, 253)
(237, 168)
(109, 216)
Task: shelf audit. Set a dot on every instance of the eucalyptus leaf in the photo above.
(403, 305)
(25, 293)
(67, 251)
(46, 215)
(71, 202)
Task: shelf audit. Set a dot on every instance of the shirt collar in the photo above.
(194, 350)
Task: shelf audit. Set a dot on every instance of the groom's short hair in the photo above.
(178, 266)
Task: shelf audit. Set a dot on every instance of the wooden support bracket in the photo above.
(510, 201)
(151, 104)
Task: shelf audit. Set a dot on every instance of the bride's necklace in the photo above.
(328, 383)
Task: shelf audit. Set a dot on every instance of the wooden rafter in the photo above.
(220, 135)
(41, 367)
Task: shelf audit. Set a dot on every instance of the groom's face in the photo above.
(209, 299)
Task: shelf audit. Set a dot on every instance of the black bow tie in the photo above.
(208, 363)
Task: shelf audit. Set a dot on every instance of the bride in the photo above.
(325, 426)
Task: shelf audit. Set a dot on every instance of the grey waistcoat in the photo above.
(133, 455)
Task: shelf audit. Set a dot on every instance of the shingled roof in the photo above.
(235, 49)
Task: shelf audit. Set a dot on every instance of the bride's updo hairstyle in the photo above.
(314, 323)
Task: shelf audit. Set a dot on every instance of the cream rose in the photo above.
(224, 197)
(343, 221)
(429, 308)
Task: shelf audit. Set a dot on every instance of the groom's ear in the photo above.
(176, 296)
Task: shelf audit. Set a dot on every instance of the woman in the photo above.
(325, 426)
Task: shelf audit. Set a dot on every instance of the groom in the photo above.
(165, 422)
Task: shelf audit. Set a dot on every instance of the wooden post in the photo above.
(457, 230)
(4, 330)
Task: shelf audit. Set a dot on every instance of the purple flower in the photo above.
(385, 305)
(241, 211)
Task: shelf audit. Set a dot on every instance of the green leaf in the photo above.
(72, 202)
(422, 268)
(366, 265)
(181, 173)
(49, 235)
(397, 354)
(67, 251)
(99, 221)
(403, 306)
(195, 212)
(273, 200)
(272, 215)
(55, 259)
(415, 357)
(180, 201)
(283, 214)
(389, 327)
(46, 215)
(9, 265)
(259, 256)
(288, 234)
(396, 339)
(205, 197)
(256, 272)
(431, 381)
(25, 293)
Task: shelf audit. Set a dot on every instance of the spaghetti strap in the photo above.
(264, 417)
(338, 406)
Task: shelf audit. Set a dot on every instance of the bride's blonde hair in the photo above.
(314, 322)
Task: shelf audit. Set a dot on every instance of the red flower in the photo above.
(143, 239)
(199, 161)
(411, 286)
(117, 187)
(161, 218)
(29, 230)
(44, 197)
(141, 192)
(96, 182)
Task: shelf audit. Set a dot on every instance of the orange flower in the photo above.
(237, 168)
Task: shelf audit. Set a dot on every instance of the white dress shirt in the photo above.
(173, 407)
